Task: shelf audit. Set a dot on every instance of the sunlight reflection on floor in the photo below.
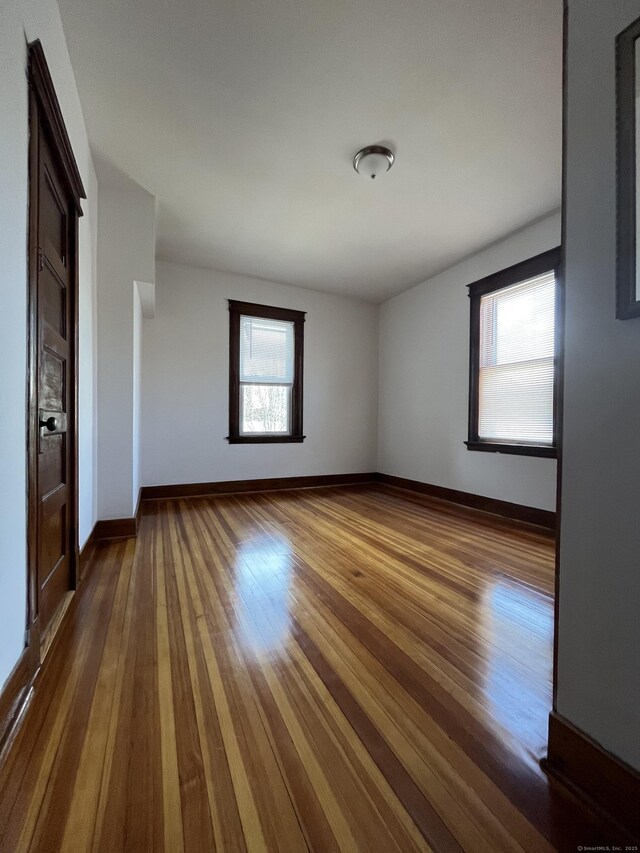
(263, 571)
(518, 624)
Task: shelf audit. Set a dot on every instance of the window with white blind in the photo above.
(265, 373)
(513, 335)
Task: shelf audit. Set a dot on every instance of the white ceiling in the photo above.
(242, 117)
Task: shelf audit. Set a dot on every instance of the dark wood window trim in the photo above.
(512, 275)
(252, 309)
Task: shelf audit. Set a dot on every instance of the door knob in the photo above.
(51, 424)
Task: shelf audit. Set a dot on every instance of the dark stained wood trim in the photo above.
(521, 271)
(474, 370)
(84, 556)
(234, 374)
(252, 309)
(115, 528)
(518, 512)
(42, 85)
(119, 528)
(275, 484)
(541, 450)
(496, 281)
(266, 439)
(627, 303)
(603, 781)
(33, 625)
(138, 512)
(13, 696)
(269, 312)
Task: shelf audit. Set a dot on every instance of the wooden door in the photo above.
(53, 221)
(55, 350)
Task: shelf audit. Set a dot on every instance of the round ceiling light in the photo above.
(373, 160)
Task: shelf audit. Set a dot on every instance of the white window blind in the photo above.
(266, 351)
(266, 375)
(517, 334)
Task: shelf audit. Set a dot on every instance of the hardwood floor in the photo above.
(335, 669)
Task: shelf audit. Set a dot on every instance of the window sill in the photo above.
(265, 439)
(542, 450)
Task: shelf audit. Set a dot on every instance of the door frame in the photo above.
(45, 115)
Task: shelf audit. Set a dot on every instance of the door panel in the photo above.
(54, 547)
(53, 372)
(54, 297)
(53, 212)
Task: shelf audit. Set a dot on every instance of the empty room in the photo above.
(320, 380)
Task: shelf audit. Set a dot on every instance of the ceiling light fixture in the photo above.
(373, 160)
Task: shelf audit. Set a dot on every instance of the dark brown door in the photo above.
(55, 337)
(53, 230)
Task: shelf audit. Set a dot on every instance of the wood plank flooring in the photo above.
(354, 669)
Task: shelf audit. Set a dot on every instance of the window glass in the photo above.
(516, 381)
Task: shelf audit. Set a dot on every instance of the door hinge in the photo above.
(40, 260)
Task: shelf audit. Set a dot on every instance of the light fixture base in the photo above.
(373, 160)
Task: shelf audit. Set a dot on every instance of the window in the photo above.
(265, 373)
(512, 393)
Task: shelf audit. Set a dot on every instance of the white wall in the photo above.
(126, 252)
(424, 383)
(22, 21)
(185, 381)
(599, 629)
(87, 358)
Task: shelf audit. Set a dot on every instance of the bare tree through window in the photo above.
(265, 408)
